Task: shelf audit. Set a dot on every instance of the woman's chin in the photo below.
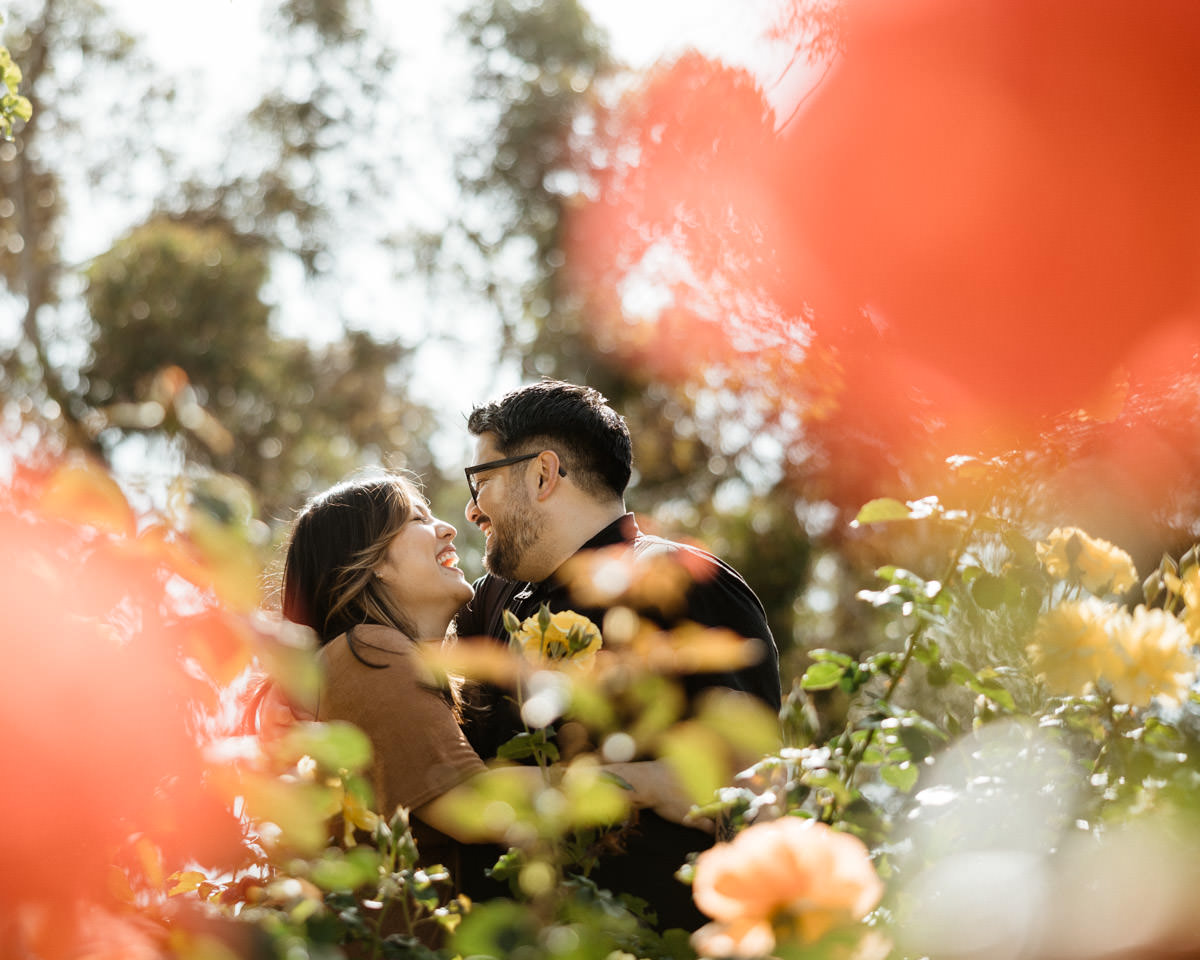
(466, 591)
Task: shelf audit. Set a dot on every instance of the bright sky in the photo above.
(210, 33)
(219, 41)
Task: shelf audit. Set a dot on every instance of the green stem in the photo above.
(910, 649)
(1112, 731)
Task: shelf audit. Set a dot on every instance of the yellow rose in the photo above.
(565, 635)
(1070, 554)
(1139, 656)
(1150, 658)
(1070, 644)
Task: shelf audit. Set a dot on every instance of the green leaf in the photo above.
(985, 685)
(881, 510)
(886, 664)
(854, 678)
(821, 655)
(698, 757)
(335, 872)
(528, 744)
(498, 928)
(593, 800)
(829, 781)
(1022, 548)
(335, 745)
(916, 741)
(902, 776)
(508, 866)
(938, 674)
(822, 676)
(518, 748)
(989, 591)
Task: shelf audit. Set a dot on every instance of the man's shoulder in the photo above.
(700, 563)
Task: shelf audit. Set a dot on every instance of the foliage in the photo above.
(284, 414)
(13, 106)
(997, 736)
(166, 346)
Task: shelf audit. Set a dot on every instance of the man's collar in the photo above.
(622, 530)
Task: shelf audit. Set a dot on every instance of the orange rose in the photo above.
(794, 869)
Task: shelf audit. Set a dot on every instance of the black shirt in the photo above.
(714, 595)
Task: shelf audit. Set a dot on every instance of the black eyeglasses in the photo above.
(495, 464)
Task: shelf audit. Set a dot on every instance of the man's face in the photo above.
(503, 511)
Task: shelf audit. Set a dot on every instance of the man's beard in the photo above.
(512, 539)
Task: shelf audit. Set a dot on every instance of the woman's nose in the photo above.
(446, 530)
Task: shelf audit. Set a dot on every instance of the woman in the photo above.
(375, 575)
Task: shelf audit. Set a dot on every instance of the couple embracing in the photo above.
(374, 574)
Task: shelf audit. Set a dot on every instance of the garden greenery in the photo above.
(1024, 748)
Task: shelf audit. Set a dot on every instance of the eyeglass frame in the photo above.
(495, 465)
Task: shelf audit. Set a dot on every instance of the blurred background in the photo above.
(286, 241)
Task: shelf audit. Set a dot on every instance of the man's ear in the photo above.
(546, 468)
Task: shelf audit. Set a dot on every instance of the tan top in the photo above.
(420, 750)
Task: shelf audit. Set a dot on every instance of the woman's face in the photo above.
(421, 572)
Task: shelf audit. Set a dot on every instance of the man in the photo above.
(552, 461)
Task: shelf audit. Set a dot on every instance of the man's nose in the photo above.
(473, 513)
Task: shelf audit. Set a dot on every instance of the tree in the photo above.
(168, 335)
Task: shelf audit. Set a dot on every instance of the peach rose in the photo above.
(795, 869)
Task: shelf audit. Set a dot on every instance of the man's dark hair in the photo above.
(576, 422)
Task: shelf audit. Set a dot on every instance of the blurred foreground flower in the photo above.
(1139, 656)
(112, 655)
(1070, 554)
(791, 873)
